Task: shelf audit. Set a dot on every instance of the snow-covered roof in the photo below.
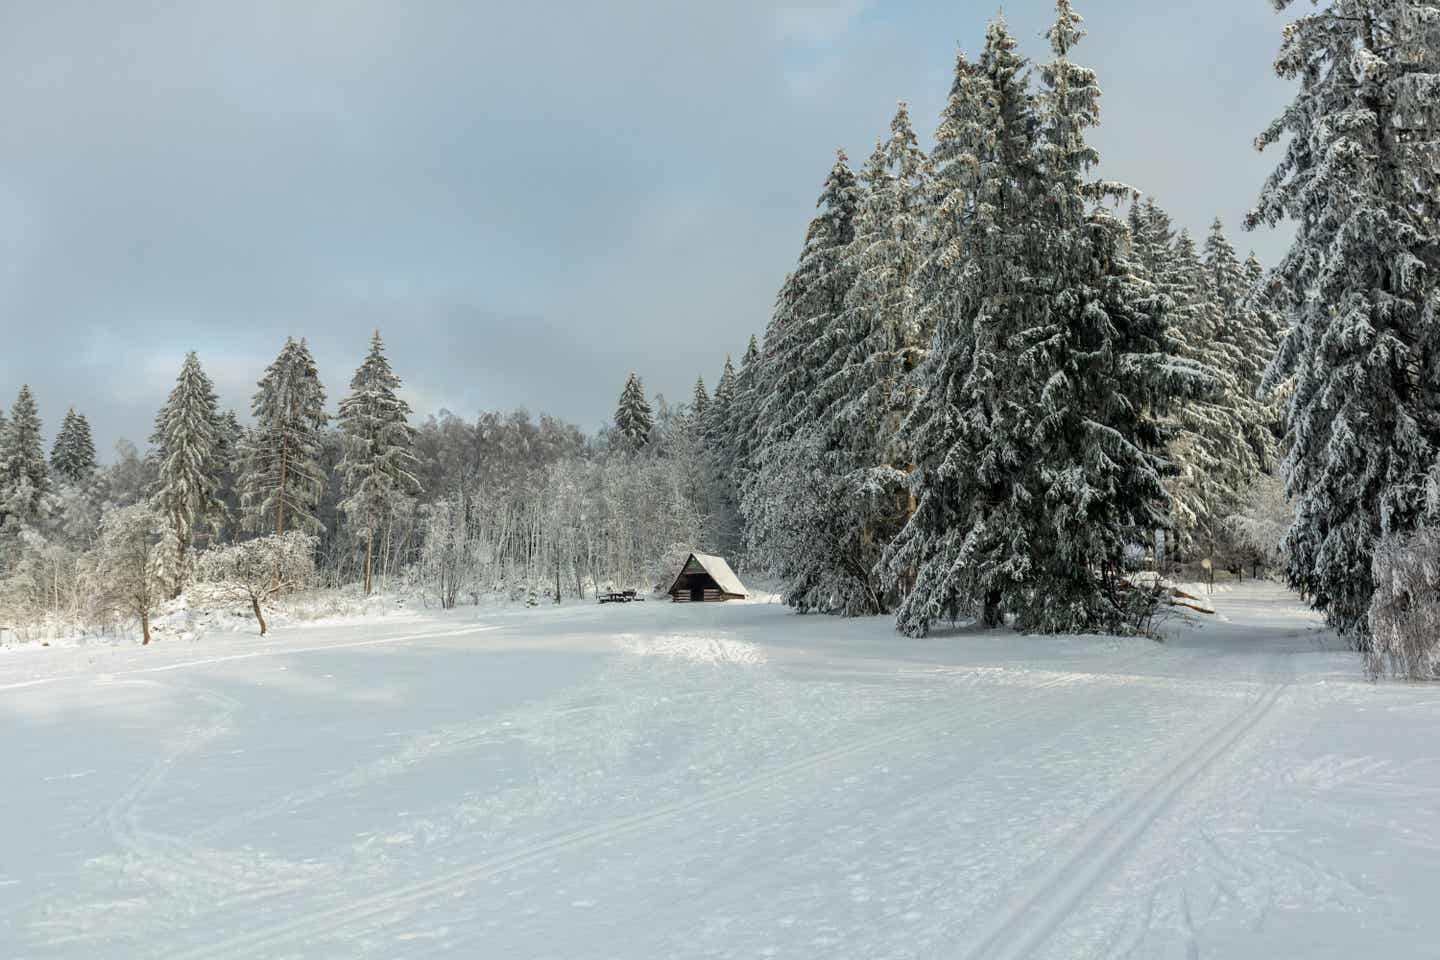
(719, 571)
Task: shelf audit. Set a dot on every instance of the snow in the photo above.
(717, 780)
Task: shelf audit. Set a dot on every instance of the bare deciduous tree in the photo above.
(255, 572)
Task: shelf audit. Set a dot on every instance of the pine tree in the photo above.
(231, 439)
(1038, 449)
(742, 432)
(840, 452)
(809, 303)
(633, 417)
(73, 455)
(966, 548)
(721, 409)
(1102, 362)
(24, 474)
(282, 477)
(699, 401)
(1359, 283)
(378, 467)
(188, 455)
(1219, 444)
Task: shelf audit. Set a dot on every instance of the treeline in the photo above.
(982, 393)
(229, 514)
(992, 385)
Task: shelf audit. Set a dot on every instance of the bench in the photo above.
(624, 596)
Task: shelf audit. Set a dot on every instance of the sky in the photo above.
(529, 201)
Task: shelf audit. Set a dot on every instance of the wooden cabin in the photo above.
(706, 579)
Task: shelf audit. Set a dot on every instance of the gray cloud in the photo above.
(529, 200)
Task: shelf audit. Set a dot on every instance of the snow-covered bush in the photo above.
(254, 572)
(1259, 527)
(129, 575)
(1405, 608)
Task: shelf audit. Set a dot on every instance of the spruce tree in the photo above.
(840, 451)
(699, 401)
(73, 455)
(282, 477)
(1219, 443)
(378, 466)
(24, 474)
(633, 417)
(1039, 450)
(188, 455)
(721, 408)
(809, 303)
(1359, 283)
(1101, 362)
(741, 433)
(967, 548)
(231, 444)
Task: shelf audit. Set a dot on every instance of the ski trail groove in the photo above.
(1027, 921)
(270, 651)
(316, 923)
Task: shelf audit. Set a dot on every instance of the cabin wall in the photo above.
(712, 591)
(712, 595)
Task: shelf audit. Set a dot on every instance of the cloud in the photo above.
(529, 200)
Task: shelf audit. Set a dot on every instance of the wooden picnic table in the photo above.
(624, 596)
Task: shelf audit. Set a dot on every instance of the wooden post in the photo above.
(255, 605)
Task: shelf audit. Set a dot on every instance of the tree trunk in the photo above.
(255, 605)
(180, 556)
(145, 627)
(369, 544)
(992, 615)
(280, 506)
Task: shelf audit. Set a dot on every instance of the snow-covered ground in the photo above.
(663, 781)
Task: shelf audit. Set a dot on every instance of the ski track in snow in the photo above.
(309, 926)
(725, 782)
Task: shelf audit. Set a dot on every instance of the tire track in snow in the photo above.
(317, 923)
(275, 651)
(1028, 920)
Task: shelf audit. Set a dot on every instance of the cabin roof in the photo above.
(719, 571)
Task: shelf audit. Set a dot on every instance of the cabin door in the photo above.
(697, 593)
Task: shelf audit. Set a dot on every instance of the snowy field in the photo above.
(660, 781)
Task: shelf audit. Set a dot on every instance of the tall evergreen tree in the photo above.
(24, 474)
(188, 458)
(810, 302)
(699, 401)
(1101, 362)
(1357, 175)
(633, 417)
(1218, 443)
(967, 548)
(73, 455)
(378, 466)
(1039, 451)
(841, 456)
(282, 477)
(719, 412)
(231, 440)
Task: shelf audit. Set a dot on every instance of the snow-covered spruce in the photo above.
(188, 452)
(72, 457)
(282, 478)
(1357, 175)
(1039, 455)
(634, 419)
(378, 467)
